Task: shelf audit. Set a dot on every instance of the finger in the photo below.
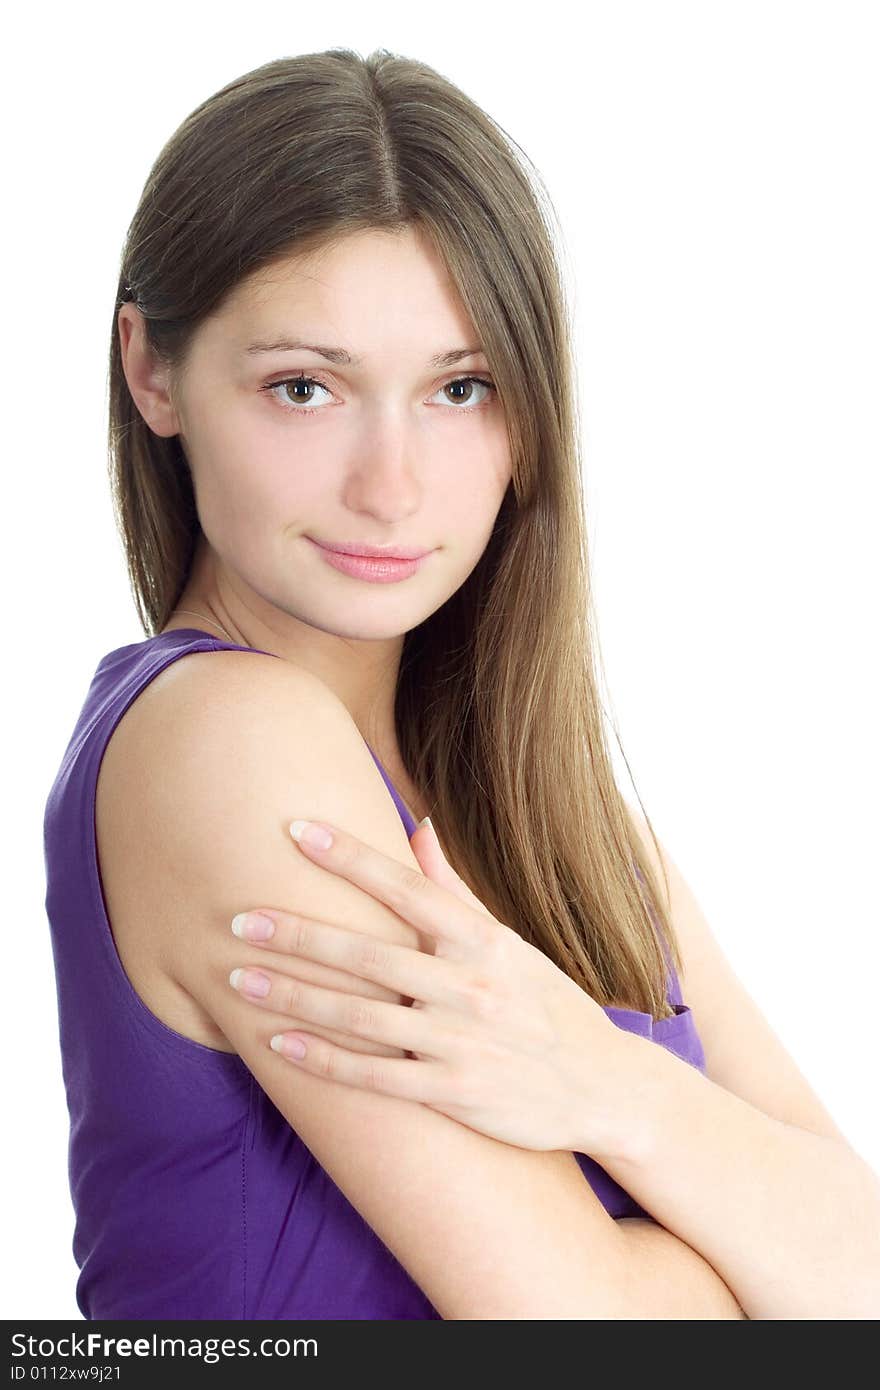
(412, 973)
(407, 1078)
(394, 1024)
(426, 905)
(426, 846)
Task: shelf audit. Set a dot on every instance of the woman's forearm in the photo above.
(668, 1279)
(789, 1218)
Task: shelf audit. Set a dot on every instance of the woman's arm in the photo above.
(668, 1279)
(790, 1219)
(486, 1229)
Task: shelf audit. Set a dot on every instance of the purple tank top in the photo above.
(192, 1195)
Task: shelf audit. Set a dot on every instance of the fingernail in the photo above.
(250, 982)
(308, 833)
(287, 1045)
(253, 926)
(427, 821)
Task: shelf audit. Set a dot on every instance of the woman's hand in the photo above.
(499, 1038)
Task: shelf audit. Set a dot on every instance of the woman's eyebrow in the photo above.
(343, 358)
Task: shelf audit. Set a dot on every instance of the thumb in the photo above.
(434, 864)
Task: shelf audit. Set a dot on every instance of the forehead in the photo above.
(369, 285)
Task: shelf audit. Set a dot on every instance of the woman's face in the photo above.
(381, 449)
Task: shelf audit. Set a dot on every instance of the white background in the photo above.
(714, 169)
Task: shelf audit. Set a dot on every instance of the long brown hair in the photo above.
(498, 714)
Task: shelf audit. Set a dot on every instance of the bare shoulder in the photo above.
(238, 722)
(252, 732)
(208, 715)
(267, 741)
(221, 681)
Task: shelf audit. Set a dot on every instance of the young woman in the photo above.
(348, 481)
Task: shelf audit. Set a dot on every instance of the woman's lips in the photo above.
(380, 570)
(373, 552)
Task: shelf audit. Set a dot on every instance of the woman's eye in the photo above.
(298, 393)
(294, 389)
(469, 382)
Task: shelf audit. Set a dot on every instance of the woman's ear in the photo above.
(147, 376)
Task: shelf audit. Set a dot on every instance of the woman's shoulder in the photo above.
(206, 750)
(206, 674)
